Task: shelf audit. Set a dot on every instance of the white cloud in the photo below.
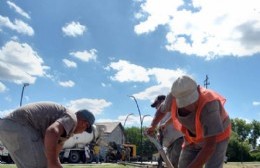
(69, 64)
(106, 120)
(5, 112)
(166, 76)
(8, 98)
(132, 120)
(127, 72)
(129, 119)
(256, 103)
(67, 83)
(19, 63)
(151, 92)
(18, 9)
(208, 29)
(105, 84)
(17, 25)
(163, 78)
(2, 87)
(156, 13)
(74, 29)
(85, 55)
(96, 106)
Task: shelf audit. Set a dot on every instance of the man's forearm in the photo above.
(157, 118)
(51, 147)
(204, 154)
(59, 147)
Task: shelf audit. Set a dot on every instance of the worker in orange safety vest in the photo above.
(200, 115)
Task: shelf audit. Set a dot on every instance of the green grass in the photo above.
(243, 165)
(104, 165)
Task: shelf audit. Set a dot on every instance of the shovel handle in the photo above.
(160, 150)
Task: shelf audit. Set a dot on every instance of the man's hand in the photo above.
(150, 131)
(205, 153)
(162, 126)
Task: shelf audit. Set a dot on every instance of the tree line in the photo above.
(243, 146)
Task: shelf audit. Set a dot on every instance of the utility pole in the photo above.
(21, 100)
(206, 82)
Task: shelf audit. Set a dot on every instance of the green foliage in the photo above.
(133, 136)
(243, 139)
(241, 128)
(238, 150)
(149, 148)
(255, 133)
(255, 153)
(256, 156)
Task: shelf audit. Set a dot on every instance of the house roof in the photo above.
(110, 126)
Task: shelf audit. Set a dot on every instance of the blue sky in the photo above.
(95, 54)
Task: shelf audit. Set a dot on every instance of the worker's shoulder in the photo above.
(166, 105)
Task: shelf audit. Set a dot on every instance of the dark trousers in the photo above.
(160, 159)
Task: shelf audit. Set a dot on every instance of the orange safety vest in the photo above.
(205, 97)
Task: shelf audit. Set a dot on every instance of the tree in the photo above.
(244, 137)
(238, 150)
(255, 133)
(133, 137)
(241, 128)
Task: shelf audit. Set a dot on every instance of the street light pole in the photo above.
(21, 100)
(141, 145)
(146, 115)
(124, 126)
(142, 120)
(127, 118)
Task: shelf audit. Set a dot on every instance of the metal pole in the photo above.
(124, 126)
(142, 120)
(146, 115)
(21, 100)
(127, 118)
(141, 145)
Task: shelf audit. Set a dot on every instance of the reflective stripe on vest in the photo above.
(205, 97)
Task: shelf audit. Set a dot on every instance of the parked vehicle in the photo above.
(125, 152)
(130, 152)
(4, 155)
(78, 149)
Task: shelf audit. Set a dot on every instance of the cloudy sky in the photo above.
(95, 54)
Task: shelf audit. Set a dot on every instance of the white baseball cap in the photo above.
(184, 89)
